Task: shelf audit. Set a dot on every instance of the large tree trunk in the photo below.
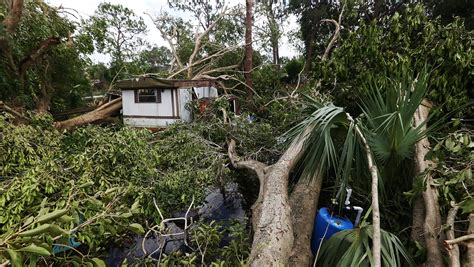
(303, 203)
(102, 112)
(248, 49)
(12, 20)
(418, 220)
(432, 222)
(273, 238)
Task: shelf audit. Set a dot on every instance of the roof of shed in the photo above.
(158, 83)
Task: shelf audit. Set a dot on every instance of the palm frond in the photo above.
(320, 152)
(388, 109)
(353, 248)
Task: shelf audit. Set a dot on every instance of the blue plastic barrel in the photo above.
(336, 224)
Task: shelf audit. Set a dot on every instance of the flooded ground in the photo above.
(224, 207)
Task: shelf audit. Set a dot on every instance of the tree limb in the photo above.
(14, 16)
(453, 250)
(197, 45)
(459, 239)
(336, 34)
(376, 239)
(36, 53)
(168, 39)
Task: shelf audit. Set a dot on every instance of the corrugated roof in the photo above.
(158, 83)
(144, 82)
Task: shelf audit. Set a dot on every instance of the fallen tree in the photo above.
(101, 113)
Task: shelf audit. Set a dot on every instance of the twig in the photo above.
(459, 239)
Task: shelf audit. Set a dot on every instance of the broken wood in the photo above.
(273, 226)
(303, 203)
(13, 112)
(103, 112)
(459, 239)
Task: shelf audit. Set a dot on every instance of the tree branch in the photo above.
(453, 250)
(167, 38)
(376, 239)
(13, 17)
(259, 169)
(336, 34)
(36, 53)
(197, 45)
(459, 239)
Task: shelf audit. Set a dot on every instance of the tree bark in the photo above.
(248, 48)
(98, 114)
(273, 237)
(303, 203)
(454, 249)
(469, 262)
(14, 15)
(376, 238)
(418, 220)
(432, 222)
(378, 8)
(36, 53)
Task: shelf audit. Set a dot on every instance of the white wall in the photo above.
(148, 122)
(165, 108)
(130, 108)
(205, 92)
(184, 96)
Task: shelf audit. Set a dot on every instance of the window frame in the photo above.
(157, 96)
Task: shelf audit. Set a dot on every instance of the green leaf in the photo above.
(52, 215)
(467, 206)
(15, 257)
(137, 228)
(98, 262)
(37, 231)
(36, 250)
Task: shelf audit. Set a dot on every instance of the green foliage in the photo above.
(95, 184)
(410, 38)
(353, 248)
(454, 158)
(207, 242)
(57, 73)
(117, 31)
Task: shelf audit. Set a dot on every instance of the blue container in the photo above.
(336, 224)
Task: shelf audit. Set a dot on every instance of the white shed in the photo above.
(152, 102)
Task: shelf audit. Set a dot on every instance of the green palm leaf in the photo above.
(353, 248)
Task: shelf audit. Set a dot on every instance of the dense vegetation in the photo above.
(347, 108)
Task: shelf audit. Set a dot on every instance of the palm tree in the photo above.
(384, 132)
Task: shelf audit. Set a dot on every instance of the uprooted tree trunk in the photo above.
(101, 113)
(432, 220)
(303, 203)
(271, 214)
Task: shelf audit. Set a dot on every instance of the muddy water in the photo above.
(223, 206)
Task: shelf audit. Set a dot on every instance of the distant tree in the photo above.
(118, 32)
(154, 59)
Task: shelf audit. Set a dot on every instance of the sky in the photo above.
(86, 8)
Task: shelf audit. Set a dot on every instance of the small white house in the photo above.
(153, 102)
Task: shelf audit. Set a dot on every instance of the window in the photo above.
(148, 96)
